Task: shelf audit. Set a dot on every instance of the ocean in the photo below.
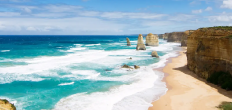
(64, 72)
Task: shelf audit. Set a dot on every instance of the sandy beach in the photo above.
(186, 91)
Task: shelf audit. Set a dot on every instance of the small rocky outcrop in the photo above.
(165, 36)
(136, 67)
(6, 105)
(154, 54)
(126, 66)
(152, 40)
(128, 41)
(161, 36)
(209, 50)
(140, 44)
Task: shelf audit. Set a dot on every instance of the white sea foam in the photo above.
(146, 87)
(92, 44)
(78, 44)
(63, 84)
(75, 49)
(5, 50)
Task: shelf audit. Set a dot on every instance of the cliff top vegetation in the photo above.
(219, 27)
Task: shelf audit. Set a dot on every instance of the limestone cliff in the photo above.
(128, 41)
(140, 44)
(152, 40)
(176, 36)
(165, 36)
(6, 105)
(209, 50)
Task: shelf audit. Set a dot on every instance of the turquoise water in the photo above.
(47, 72)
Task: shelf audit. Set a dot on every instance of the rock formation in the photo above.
(161, 36)
(140, 44)
(154, 54)
(126, 66)
(209, 50)
(165, 36)
(176, 36)
(128, 41)
(136, 67)
(6, 105)
(152, 40)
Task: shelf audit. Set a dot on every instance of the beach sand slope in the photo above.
(187, 91)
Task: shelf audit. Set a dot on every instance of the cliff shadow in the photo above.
(185, 70)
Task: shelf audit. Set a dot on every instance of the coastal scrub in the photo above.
(223, 79)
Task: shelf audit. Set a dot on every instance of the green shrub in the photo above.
(223, 79)
(225, 106)
(230, 36)
(219, 27)
(5, 101)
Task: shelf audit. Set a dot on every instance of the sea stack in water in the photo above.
(140, 44)
(152, 40)
(154, 54)
(6, 105)
(128, 41)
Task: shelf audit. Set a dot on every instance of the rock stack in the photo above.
(152, 40)
(154, 54)
(6, 105)
(140, 44)
(128, 41)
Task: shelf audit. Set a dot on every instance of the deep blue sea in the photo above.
(80, 72)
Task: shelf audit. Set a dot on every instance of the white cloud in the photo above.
(227, 4)
(197, 11)
(132, 15)
(182, 17)
(9, 14)
(208, 9)
(62, 8)
(76, 25)
(220, 18)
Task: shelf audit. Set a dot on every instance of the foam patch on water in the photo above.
(146, 87)
(5, 50)
(92, 44)
(75, 49)
(63, 84)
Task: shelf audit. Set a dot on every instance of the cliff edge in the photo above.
(209, 50)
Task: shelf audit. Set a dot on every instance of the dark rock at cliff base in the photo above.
(136, 67)
(184, 43)
(6, 105)
(128, 41)
(152, 40)
(154, 54)
(126, 66)
(140, 44)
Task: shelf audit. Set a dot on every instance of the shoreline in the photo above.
(186, 91)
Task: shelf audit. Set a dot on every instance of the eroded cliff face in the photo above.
(176, 36)
(152, 40)
(209, 50)
(165, 36)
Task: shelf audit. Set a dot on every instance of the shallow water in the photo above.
(61, 72)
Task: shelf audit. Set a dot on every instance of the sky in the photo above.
(110, 17)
